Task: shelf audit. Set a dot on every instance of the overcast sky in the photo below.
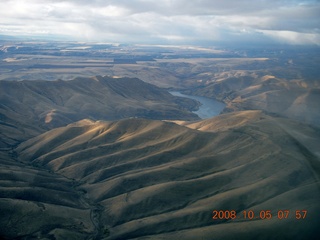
(165, 21)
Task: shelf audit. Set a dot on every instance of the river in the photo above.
(208, 108)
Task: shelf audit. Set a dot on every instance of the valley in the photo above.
(209, 107)
(94, 145)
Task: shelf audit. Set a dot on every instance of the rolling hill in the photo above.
(158, 180)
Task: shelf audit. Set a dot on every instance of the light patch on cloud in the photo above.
(293, 37)
(109, 11)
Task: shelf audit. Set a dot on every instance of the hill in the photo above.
(158, 180)
(31, 107)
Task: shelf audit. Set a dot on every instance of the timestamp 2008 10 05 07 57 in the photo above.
(263, 214)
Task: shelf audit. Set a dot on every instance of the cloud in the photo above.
(293, 22)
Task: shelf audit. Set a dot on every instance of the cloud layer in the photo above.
(165, 21)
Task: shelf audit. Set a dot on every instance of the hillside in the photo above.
(36, 203)
(158, 180)
(31, 107)
(295, 99)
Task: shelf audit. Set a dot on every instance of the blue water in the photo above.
(209, 107)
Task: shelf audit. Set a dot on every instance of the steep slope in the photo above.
(28, 108)
(159, 180)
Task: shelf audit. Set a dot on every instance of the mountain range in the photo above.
(117, 158)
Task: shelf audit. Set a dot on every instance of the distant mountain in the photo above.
(152, 179)
(28, 108)
(7, 37)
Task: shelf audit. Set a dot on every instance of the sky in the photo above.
(165, 21)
